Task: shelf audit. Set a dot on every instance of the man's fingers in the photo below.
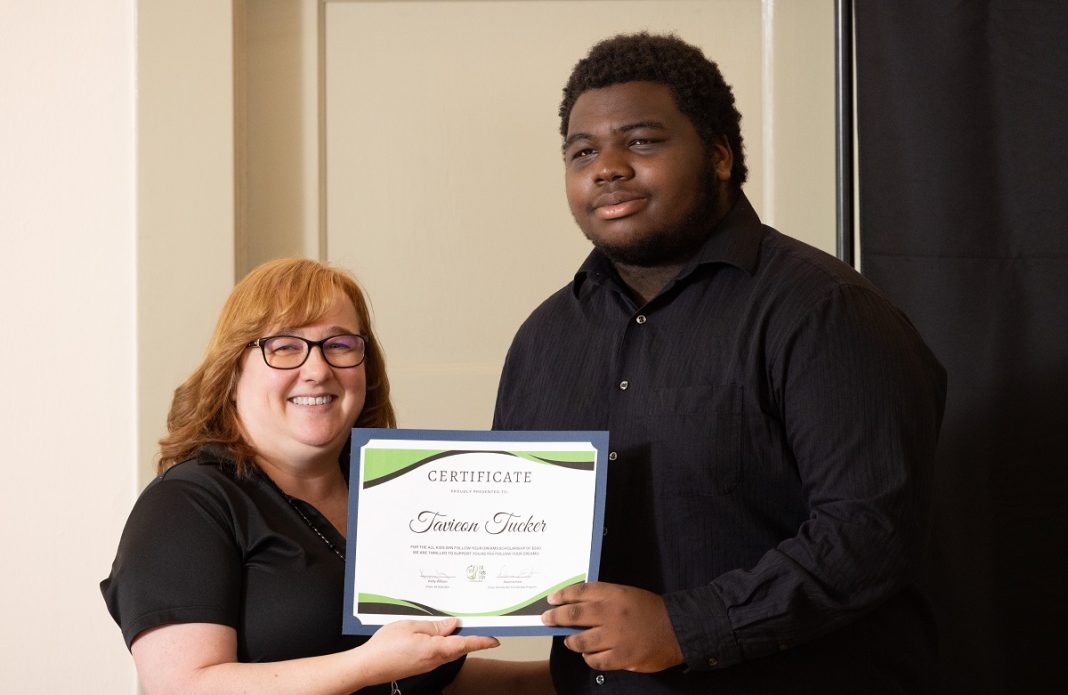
(555, 616)
(568, 594)
(588, 642)
(597, 647)
(570, 615)
(578, 605)
(574, 643)
(600, 661)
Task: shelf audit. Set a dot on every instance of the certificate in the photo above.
(482, 526)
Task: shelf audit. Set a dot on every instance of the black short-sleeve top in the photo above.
(205, 546)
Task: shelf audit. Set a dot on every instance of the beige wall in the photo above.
(118, 202)
(185, 196)
(67, 289)
(443, 173)
(116, 249)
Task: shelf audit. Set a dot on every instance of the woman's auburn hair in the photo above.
(282, 293)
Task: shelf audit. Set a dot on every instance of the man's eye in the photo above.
(584, 152)
(642, 141)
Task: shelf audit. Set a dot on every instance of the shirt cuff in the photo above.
(699, 618)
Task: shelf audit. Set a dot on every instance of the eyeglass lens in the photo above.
(288, 352)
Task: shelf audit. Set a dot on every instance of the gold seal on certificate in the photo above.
(477, 525)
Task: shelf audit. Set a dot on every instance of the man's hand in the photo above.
(629, 628)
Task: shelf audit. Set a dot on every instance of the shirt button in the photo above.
(623, 385)
(713, 662)
(612, 456)
(640, 319)
(599, 679)
(604, 531)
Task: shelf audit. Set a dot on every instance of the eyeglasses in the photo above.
(290, 351)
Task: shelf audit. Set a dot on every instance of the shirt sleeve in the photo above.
(861, 400)
(177, 561)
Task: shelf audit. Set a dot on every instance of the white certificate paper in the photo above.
(477, 525)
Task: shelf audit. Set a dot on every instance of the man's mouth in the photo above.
(611, 206)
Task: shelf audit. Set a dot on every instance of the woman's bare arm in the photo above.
(202, 658)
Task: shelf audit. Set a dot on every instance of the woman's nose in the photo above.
(316, 364)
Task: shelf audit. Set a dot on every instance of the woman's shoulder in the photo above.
(209, 464)
(208, 474)
(197, 498)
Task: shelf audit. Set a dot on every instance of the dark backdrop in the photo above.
(963, 154)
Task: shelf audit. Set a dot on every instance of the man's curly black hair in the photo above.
(700, 92)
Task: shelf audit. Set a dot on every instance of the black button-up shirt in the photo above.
(772, 423)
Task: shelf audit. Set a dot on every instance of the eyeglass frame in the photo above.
(258, 343)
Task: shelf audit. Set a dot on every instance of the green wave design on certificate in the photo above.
(387, 605)
(382, 465)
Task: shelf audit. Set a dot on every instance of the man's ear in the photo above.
(722, 159)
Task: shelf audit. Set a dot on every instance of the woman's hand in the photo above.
(409, 647)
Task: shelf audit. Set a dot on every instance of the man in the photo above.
(772, 417)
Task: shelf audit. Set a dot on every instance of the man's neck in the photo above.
(645, 283)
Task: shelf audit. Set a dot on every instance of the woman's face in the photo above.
(293, 417)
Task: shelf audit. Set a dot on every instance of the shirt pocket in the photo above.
(702, 444)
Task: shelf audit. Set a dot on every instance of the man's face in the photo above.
(641, 183)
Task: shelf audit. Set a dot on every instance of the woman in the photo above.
(230, 572)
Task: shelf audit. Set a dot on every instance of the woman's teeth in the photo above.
(311, 400)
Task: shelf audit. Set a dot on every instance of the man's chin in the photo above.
(648, 252)
(656, 248)
(629, 248)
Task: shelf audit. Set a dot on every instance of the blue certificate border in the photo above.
(361, 436)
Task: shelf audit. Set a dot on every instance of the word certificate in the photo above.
(482, 526)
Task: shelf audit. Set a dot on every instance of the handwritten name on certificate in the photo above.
(482, 526)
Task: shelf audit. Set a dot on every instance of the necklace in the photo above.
(394, 688)
(329, 544)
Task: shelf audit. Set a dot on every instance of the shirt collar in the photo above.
(735, 241)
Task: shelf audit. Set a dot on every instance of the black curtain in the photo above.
(962, 115)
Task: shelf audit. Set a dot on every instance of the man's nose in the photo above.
(613, 165)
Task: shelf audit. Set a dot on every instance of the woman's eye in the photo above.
(339, 346)
(284, 346)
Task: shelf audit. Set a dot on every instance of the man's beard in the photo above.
(668, 245)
